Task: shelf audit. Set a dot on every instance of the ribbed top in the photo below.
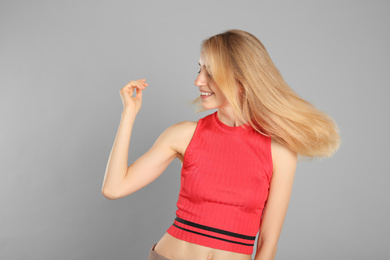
(224, 186)
(230, 129)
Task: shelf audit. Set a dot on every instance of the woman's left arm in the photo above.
(284, 164)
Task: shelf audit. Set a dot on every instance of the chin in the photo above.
(208, 107)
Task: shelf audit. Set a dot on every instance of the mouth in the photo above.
(205, 94)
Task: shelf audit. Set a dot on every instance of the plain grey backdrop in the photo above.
(62, 64)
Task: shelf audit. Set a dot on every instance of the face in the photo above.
(211, 95)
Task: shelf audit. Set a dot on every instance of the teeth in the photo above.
(206, 94)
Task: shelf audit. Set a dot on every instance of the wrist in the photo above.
(129, 113)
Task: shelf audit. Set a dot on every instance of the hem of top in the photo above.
(172, 230)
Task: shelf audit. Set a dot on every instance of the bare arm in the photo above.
(117, 162)
(121, 180)
(284, 161)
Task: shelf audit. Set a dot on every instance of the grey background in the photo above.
(62, 64)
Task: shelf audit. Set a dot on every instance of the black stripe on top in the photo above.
(216, 230)
(231, 241)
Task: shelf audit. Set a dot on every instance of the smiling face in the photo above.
(210, 93)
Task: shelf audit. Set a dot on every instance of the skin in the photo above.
(122, 180)
(205, 83)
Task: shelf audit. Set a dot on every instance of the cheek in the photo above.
(218, 92)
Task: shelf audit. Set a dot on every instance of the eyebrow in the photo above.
(203, 65)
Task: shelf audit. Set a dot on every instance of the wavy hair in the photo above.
(236, 58)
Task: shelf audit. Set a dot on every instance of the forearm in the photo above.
(118, 160)
(266, 250)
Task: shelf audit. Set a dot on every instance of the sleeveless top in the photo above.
(225, 181)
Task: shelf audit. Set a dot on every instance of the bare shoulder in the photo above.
(181, 129)
(180, 135)
(186, 126)
(282, 156)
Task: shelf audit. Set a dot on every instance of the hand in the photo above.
(130, 102)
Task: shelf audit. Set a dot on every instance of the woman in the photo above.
(238, 163)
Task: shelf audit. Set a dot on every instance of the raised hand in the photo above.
(130, 102)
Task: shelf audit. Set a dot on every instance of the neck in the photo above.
(227, 116)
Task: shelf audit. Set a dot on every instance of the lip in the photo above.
(204, 97)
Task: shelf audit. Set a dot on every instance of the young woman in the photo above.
(238, 163)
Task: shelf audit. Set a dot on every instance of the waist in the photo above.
(214, 235)
(174, 248)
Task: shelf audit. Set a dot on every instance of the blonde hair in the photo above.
(236, 58)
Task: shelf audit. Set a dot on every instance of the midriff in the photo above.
(177, 249)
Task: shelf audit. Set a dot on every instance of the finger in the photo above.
(135, 84)
(139, 93)
(132, 82)
(142, 85)
(130, 85)
(143, 82)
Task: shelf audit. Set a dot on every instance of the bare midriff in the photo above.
(176, 249)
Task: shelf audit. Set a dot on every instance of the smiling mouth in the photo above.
(206, 93)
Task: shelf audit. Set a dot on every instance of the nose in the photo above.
(200, 80)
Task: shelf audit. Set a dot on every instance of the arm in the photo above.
(121, 180)
(284, 161)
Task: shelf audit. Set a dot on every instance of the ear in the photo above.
(240, 87)
(241, 91)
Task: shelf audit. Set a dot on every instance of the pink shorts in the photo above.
(154, 256)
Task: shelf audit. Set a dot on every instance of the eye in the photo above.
(208, 74)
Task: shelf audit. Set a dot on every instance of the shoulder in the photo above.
(182, 128)
(179, 134)
(177, 130)
(282, 156)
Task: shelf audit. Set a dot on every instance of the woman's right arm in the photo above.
(121, 180)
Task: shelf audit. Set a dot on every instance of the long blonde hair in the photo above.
(236, 58)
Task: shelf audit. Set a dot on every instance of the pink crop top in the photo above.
(225, 180)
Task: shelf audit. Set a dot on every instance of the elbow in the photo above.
(109, 194)
(270, 243)
(266, 250)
